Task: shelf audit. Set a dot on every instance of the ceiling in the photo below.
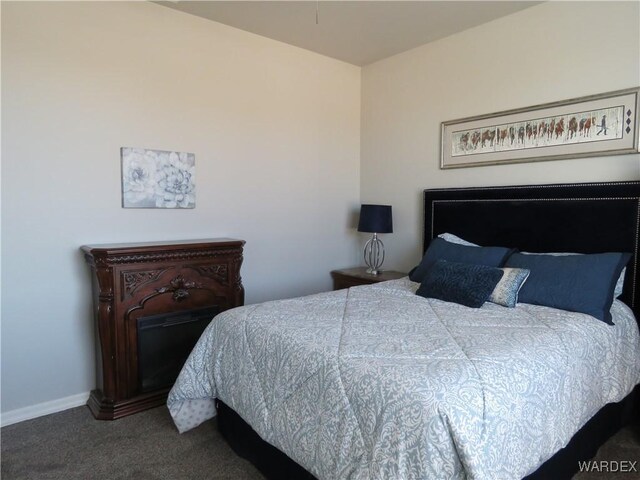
(357, 32)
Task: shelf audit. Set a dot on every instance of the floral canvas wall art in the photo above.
(157, 179)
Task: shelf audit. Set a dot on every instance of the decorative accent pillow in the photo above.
(506, 291)
(463, 283)
(578, 283)
(440, 249)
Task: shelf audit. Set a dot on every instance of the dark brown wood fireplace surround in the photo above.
(137, 280)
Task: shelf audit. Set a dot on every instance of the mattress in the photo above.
(375, 382)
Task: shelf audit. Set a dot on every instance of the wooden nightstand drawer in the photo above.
(351, 277)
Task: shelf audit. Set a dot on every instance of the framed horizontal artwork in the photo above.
(598, 125)
(157, 178)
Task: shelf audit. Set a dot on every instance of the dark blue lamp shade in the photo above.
(375, 219)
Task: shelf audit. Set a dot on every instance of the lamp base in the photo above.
(374, 255)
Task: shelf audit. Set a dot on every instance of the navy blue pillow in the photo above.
(463, 283)
(578, 283)
(440, 249)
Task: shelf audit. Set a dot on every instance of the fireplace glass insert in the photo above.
(164, 343)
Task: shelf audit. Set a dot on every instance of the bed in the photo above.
(377, 382)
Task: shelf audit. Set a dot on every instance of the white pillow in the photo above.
(451, 238)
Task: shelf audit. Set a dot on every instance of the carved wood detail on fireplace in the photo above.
(131, 281)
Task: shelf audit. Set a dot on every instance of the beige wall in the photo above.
(550, 52)
(275, 130)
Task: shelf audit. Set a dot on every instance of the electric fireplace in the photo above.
(152, 302)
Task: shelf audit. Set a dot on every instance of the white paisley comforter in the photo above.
(375, 382)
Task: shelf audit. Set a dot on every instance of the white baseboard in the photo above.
(45, 408)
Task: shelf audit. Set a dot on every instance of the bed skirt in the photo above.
(584, 445)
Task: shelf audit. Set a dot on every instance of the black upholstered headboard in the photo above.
(583, 218)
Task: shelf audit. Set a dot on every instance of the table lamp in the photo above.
(375, 219)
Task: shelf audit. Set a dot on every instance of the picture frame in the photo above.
(157, 178)
(596, 125)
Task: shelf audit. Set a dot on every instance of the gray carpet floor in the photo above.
(72, 445)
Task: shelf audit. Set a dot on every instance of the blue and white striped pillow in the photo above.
(506, 291)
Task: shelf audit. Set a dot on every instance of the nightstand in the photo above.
(350, 277)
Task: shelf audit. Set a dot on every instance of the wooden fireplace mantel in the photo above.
(133, 280)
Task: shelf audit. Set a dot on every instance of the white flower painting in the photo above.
(157, 179)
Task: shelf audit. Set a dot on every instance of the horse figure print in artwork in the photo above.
(488, 135)
(552, 127)
(521, 131)
(586, 124)
(512, 134)
(502, 135)
(532, 131)
(542, 129)
(573, 127)
(475, 139)
(464, 142)
(559, 130)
